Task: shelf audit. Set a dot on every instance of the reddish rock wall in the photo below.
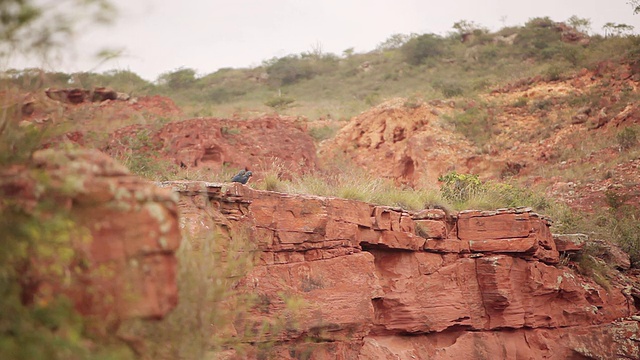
(381, 283)
(216, 143)
(122, 242)
(411, 136)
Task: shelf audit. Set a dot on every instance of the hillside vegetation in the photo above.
(317, 84)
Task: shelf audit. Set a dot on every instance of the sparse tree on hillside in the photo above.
(613, 29)
(582, 25)
(468, 27)
(503, 20)
(395, 41)
(179, 79)
(423, 47)
(316, 51)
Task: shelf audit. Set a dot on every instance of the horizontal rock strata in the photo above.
(381, 283)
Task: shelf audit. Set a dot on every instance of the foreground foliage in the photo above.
(37, 240)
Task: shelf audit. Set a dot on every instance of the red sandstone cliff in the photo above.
(382, 283)
(374, 282)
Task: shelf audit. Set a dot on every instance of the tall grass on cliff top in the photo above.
(354, 183)
(456, 192)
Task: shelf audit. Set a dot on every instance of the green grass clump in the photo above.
(626, 233)
(410, 199)
(627, 138)
(140, 155)
(324, 132)
(475, 123)
(590, 264)
(280, 103)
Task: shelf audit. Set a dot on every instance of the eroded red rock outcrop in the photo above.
(77, 95)
(528, 128)
(382, 283)
(119, 261)
(213, 143)
(411, 136)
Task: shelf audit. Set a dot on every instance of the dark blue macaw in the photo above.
(242, 177)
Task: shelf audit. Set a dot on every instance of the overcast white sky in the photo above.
(163, 35)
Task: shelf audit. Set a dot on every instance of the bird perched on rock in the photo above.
(242, 177)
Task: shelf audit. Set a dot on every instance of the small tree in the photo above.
(347, 53)
(423, 47)
(613, 29)
(280, 103)
(468, 27)
(582, 25)
(179, 79)
(395, 41)
(289, 70)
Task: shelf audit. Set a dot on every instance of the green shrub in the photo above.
(573, 54)
(409, 199)
(291, 69)
(589, 264)
(614, 199)
(459, 188)
(475, 123)
(538, 39)
(449, 88)
(280, 103)
(219, 95)
(179, 79)
(512, 196)
(467, 191)
(627, 138)
(554, 73)
(141, 157)
(211, 308)
(418, 50)
(17, 144)
(324, 132)
(521, 102)
(626, 233)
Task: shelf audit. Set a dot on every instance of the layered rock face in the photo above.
(116, 260)
(381, 283)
